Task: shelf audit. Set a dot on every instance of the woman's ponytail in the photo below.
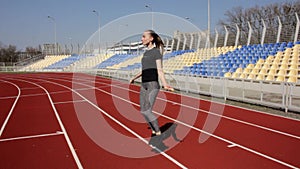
(157, 41)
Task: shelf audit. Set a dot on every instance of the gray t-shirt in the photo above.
(149, 67)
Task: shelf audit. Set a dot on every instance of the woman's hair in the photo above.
(157, 41)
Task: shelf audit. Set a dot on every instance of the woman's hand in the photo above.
(131, 81)
(135, 77)
(169, 88)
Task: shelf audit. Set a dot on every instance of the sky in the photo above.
(25, 22)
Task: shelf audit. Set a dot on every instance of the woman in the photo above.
(151, 71)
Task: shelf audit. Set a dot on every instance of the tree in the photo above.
(8, 54)
(32, 51)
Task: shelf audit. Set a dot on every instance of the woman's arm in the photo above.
(135, 77)
(161, 75)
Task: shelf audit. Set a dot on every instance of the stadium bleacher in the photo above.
(41, 64)
(67, 61)
(135, 63)
(268, 62)
(114, 60)
(271, 62)
(89, 62)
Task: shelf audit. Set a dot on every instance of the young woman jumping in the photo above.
(151, 71)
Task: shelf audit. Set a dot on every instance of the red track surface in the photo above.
(43, 125)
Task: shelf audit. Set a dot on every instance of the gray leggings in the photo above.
(148, 93)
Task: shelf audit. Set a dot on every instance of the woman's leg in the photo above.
(148, 94)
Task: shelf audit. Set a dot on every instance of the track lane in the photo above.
(36, 153)
(158, 158)
(292, 151)
(32, 151)
(261, 120)
(8, 105)
(43, 112)
(30, 120)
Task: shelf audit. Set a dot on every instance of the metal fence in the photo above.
(274, 30)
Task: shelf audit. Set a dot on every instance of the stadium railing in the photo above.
(282, 95)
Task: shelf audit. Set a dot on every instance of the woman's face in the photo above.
(146, 38)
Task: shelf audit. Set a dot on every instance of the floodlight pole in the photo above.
(147, 6)
(55, 45)
(97, 13)
(208, 23)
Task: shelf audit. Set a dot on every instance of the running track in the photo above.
(57, 120)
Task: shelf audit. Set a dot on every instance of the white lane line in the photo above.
(83, 89)
(12, 107)
(88, 81)
(37, 94)
(208, 112)
(33, 136)
(212, 135)
(66, 102)
(122, 125)
(33, 95)
(231, 145)
(79, 165)
(226, 117)
(8, 97)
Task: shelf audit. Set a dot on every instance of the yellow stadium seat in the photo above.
(294, 61)
(274, 66)
(254, 71)
(251, 76)
(288, 50)
(261, 61)
(282, 72)
(266, 66)
(295, 55)
(272, 71)
(279, 53)
(293, 66)
(293, 72)
(235, 75)
(276, 61)
(243, 76)
(247, 70)
(228, 74)
(283, 66)
(239, 70)
(280, 78)
(270, 78)
(263, 71)
(285, 61)
(260, 77)
(250, 66)
(270, 58)
(292, 79)
(258, 66)
(287, 55)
